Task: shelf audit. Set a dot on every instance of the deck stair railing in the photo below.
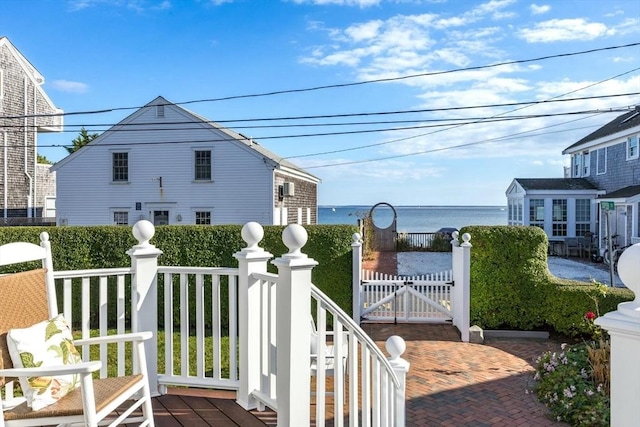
(350, 380)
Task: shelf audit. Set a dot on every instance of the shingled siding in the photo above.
(306, 196)
(22, 96)
(620, 171)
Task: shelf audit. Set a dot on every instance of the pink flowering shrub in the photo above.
(565, 383)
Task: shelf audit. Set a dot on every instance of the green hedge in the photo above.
(76, 248)
(511, 287)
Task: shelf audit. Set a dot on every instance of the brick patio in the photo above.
(451, 383)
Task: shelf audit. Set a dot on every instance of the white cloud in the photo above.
(539, 9)
(69, 86)
(364, 31)
(359, 3)
(564, 30)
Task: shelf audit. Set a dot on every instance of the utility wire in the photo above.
(342, 85)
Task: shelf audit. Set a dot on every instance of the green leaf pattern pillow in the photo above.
(47, 343)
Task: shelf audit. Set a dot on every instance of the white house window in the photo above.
(583, 216)
(601, 161)
(120, 167)
(121, 218)
(203, 217)
(586, 164)
(632, 147)
(536, 213)
(559, 219)
(203, 165)
(577, 165)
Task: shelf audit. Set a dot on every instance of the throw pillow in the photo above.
(47, 343)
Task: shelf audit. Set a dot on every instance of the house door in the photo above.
(160, 217)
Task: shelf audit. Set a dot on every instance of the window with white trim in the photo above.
(559, 217)
(202, 165)
(583, 216)
(632, 147)
(536, 213)
(121, 218)
(601, 161)
(586, 164)
(120, 167)
(577, 165)
(203, 217)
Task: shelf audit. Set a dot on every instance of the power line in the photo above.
(343, 85)
(125, 126)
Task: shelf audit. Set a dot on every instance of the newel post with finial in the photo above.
(461, 290)
(293, 296)
(623, 326)
(144, 294)
(251, 259)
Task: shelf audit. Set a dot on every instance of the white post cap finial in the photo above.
(252, 233)
(395, 346)
(455, 235)
(44, 236)
(356, 238)
(629, 272)
(294, 238)
(143, 231)
(466, 237)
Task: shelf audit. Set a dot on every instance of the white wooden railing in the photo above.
(268, 332)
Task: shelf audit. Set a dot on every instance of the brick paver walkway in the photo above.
(451, 383)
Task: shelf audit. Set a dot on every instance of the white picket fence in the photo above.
(269, 317)
(438, 297)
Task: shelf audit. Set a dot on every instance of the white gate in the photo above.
(406, 299)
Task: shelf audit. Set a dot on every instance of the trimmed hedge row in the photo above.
(77, 248)
(512, 288)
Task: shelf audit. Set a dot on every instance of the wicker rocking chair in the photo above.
(29, 298)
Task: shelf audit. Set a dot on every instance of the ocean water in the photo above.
(417, 219)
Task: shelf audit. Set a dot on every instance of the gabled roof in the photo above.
(28, 68)
(563, 184)
(619, 124)
(623, 193)
(234, 137)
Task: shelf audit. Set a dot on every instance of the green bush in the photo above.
(77, 248)
(511, 287)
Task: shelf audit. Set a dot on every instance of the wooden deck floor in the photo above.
(190, 407)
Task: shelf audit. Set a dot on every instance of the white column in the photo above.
(623, 326)
(461, 291)
(144, 295)
(396, 347)
(356, 282)
(251, 259)
(293, 305)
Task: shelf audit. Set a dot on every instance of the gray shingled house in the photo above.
(603, 182)
(27, 189)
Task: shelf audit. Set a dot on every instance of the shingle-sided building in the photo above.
(604, 175)
(25, 111)
(171, 166)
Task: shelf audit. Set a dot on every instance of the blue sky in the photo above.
(112, 54)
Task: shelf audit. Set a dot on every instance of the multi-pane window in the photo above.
(559, 217)
(583, 216)
(536, 212)
(121, 218)
(601, 161)
(577, 165)
(586, 164)
(203, 217)
(203, 165)
(632, 147)
(120, 167)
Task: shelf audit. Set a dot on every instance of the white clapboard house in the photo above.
(170, 166)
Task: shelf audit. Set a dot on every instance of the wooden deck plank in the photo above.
(181, 410)
(238, 413)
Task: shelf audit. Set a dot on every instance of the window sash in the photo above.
(120, 167)
(203, 217)
(632, 147)
(601, 161)
(202, 165)
(121, 218)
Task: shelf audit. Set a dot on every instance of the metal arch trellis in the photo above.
(384, 239)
